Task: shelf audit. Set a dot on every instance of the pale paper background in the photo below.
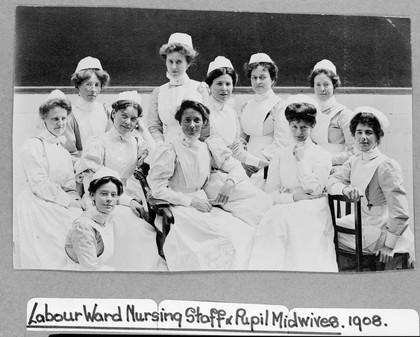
(390, 290)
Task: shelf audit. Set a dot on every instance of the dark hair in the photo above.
(301, 112)
(270, 67)
(124, 104)
(219, 72)
(335, 79)
(50, 104)
(189, 52)
(96, 183)
(197, 106)
(367, 118)
(79, 77)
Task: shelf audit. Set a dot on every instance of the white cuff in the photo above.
(391, 239)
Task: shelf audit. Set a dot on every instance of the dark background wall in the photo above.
(367, 51)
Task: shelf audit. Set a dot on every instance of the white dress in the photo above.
(164, 102)
(265, 127)
(296, 236)
(135, 239)
(197, 241)
(43, 215)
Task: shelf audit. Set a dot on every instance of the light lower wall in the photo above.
(396, 144)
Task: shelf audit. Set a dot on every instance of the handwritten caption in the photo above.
(115, 314)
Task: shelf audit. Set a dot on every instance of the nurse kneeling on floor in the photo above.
(90, 241)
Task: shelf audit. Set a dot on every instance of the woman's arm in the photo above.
(83, 240)
(391, 183)
(162, 169)
(339, 180)
(315, 179)
(281, 133)
(154, 123)
(343, 121)
(243, 137)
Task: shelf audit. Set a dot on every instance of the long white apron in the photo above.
(204, 241)
(43, 225)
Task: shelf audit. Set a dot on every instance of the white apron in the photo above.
(320, 132)
(252, 121)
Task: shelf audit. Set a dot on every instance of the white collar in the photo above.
(190, 141)
(308, 142)
(217, 104)
(85, 105)
(371, 154)
(123, 137)
(179, 80)
(50, 138)
(261, 97)
(99, 217)
(326, 106)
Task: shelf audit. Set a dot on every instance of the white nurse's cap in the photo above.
(325, 64)
(260, 57)
(383, 120)
(219, 62)
(129, 96)
(89, 63)
(181, 38)
(56, 94)
(106, 172)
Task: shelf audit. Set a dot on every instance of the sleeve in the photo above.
(315, 179)
(148, 142)
(222, 159)
(154, 123)
(108, 111)
(162, 169)
(343, 122)
(243, 137)
(92, 159)
(84, 243)
(340, 179)
(281, 131)
(34, 165)
(238, 150)
(73, 139)
(391, 183)
(274, 186)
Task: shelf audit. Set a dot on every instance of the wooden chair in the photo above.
(156, 207)
(362, 261)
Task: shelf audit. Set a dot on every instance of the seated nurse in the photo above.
(203, 237)
(296, 234)
(90, 241)
(119, 149)
(378, 180)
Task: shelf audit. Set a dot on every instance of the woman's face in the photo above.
(191, 123)
(323, 87)
(55, 121)
(125, 120)
(90, 88)
(105, 198)
(260, 80)
(221, 88)
(365, 137)
(300, 130)
(176, 64)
